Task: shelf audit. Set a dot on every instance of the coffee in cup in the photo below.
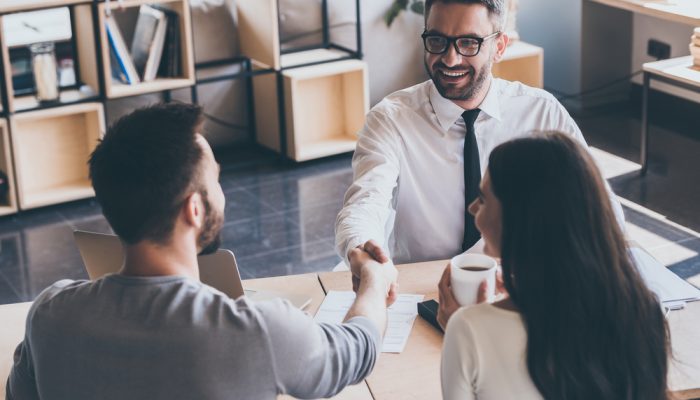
(467, 272)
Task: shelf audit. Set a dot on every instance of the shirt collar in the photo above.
(448, 112)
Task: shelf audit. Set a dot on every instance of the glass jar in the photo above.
(45, 71)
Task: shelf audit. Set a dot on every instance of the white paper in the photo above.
(401, 315)
(669, 287)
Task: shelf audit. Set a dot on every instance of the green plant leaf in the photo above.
(391, 14)
(418, 7)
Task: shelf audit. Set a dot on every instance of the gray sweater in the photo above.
(174, 338)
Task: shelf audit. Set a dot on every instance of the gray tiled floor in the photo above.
(280, 216)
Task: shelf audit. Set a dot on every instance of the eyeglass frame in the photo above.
(453, 41)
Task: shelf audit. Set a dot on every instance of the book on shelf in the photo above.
(123, 68)
(148, 41)
(170, 62)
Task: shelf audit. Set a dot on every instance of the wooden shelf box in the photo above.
(259, 31)
(8, 204)
(325, 106)
(522, 62)
(51, 149)
(115, 89)
(85, 49)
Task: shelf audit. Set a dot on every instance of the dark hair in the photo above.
(594, 330)
(144, 167)
(496, 8)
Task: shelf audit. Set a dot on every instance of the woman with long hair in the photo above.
(578, 321)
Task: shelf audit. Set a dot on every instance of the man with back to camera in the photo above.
(152, 330)
(422, 150)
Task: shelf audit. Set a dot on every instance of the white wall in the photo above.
(555, 25)
(395, 54)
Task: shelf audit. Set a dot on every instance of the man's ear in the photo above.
(501, 45)
(193, 210)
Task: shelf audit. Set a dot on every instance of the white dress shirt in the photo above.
(484, 356)
(408, 185)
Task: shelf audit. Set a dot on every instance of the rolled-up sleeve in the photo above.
(313, 360)
(368, 202)
(459, 361)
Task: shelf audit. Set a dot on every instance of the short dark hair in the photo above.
(144, 167)
(496, 8)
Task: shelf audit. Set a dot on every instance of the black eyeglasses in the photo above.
(467, 46)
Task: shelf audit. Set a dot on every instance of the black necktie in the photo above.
(472, 178)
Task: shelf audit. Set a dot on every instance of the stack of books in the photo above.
(154, 50)
(695, 47)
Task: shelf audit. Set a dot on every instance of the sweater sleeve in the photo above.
(459, 361)
(313, 360)
(21, 384)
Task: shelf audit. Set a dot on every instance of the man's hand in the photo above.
(374, 250)
(448, 302)
(365, 268)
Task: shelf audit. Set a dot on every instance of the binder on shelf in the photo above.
(125, 71)
(170, 65)
(147, 44)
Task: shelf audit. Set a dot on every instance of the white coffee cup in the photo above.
(467, 272)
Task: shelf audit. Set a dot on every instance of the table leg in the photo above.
(644, 140)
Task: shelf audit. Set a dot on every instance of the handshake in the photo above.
(371, 268)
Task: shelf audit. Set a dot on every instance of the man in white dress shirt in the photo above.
(412, 172)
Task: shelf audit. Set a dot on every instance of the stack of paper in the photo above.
(695, 47)
(400, 316)
(669, 287)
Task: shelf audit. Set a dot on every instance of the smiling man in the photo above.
(422, 151)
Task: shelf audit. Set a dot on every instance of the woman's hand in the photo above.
(447, 300)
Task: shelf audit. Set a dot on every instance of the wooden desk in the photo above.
(415, 373)
(678, 72)
(682, 11)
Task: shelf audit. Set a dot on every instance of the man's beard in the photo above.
(209, 239)
(478, 78)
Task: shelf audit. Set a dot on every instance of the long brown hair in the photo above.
(594, 330)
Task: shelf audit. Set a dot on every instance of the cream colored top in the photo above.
(483, 356)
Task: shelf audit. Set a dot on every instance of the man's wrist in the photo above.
(373, 276)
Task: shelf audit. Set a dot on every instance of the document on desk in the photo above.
(669, 287)
(401, 316)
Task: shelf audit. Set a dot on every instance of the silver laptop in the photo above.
(103, 254)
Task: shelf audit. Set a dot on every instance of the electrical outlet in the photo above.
(658, 49)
